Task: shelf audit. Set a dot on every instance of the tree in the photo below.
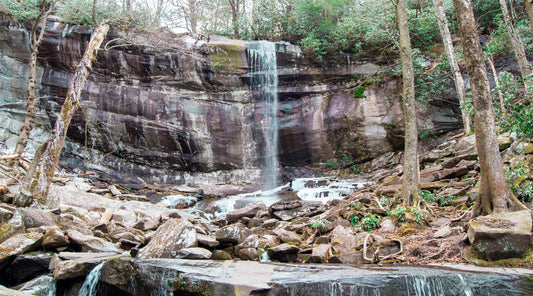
(235, 6)
(516, 43)
(44, 8)
(529, 10)
(411, 170)
(495, 194)
(452, 59)
(50, 156)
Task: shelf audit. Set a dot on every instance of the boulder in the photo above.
(221, 255)
(248, 211)
(54, 238)
(147, 224)
(501, 235)
(287, 236)
(207, 241)
(443, 231)
(342, 240)
(14, 225)
(249, 254)
(194, 253)
(36, 286)
(25, 267)
(10, 292)
(34, 218)
(387, 225)
(233, 234)
(169, 238)
(291, 211)
(284, 253)
(349, 258)
(127, 218)
(5, 215)
(79, 267)
(320, 254)
(89, 243)
(466, 148)
(88, 217)
(20, 244)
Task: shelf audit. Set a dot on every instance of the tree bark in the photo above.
(497, 82)
(529, 9)
(411, 171)
(234, 17)
(516, 43)
(50, 156)
(27, 127)
(452, 59)
(494, 193)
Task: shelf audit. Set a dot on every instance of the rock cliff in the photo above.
(171, 109)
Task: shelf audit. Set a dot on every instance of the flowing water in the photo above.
(264, 81)
(91, 281)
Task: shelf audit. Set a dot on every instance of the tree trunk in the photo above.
(497, 82)
(411, 172)
(193, 16)
(452, 59)
(494, 193)
(27, 127)
(50, 156)
(516, 43)
(529, 9)
(234, 17)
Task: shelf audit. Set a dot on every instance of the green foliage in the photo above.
(398, 213)
(26, 10)
(418, 214)
(427, 195)
(354, 220)
(331, 165)
(518, 116)
(434, 82)
(423, 28)
(384, 200)
(446, 200)
(329, 26)
(320, 224)
(359, 93)
(518, 178)
(370, 221)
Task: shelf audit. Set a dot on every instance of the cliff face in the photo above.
(165, 112)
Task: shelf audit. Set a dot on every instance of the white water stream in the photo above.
(89, 285)
(264, 78)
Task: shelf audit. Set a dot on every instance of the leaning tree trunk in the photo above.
(516, 43)
(27, 127)
(411, 172)
(452, 59)
(50, 156)
(529, 9)
(494, 193)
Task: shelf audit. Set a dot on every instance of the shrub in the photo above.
(370, 221)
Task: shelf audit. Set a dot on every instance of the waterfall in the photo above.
(264, 80)
(89, 285)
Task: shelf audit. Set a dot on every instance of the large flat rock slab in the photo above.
(501, 235)
(254, 278)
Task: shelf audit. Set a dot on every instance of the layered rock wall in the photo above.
(165, 113)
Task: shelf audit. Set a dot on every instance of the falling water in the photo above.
(264, 79)
(89, 285)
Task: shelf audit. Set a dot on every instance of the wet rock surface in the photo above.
(253, 278)
(160, 112)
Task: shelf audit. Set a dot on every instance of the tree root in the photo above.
(376, 258)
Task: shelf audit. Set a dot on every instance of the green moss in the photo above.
(227, 57)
